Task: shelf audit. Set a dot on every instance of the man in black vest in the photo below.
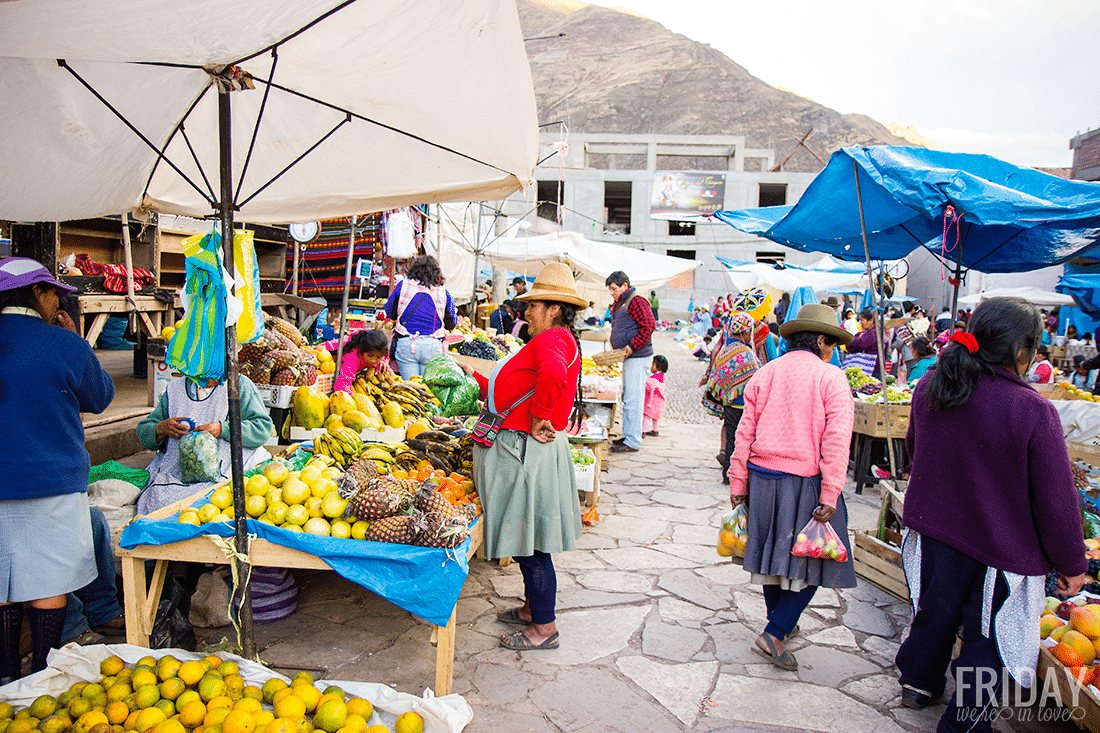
(631, 329)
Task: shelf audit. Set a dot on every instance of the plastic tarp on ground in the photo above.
(425, 581)
(744, 275)
(1037, 296)
(73, 663)
(594, 260)
(407, 102)
(1012, 219)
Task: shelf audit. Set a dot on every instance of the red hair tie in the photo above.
(967, 340)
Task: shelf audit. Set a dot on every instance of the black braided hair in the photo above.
(568, 319)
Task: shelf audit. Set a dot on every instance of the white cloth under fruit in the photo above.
(166, 484)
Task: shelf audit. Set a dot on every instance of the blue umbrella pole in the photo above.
(879, 331)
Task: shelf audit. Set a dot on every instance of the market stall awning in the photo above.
(1010, 219)
(1037, 296)
(593, 260)
(743, 275)
(111, 106)
(1084, 289)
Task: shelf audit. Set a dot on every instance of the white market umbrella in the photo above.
(269, 112)
(1036, 296)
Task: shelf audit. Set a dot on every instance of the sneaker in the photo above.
(880, 473)
(623, 448)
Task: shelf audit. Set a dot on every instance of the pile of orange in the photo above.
(455, 487)
(199, 696)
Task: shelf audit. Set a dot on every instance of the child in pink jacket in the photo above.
(364, 349)
(654, 396)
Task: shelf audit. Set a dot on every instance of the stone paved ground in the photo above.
(656, 628)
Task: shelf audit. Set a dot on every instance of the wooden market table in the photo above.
(151, 313)
(141, 604)
(869, 431)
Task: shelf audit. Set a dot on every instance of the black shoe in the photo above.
(617, 441)
(914, 698)
(623, 448)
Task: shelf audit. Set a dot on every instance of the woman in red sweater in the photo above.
(525, 478)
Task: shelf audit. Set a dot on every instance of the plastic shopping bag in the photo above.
(819, 539)
(734, 532)
(199, 461)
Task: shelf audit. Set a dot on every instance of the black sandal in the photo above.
(519, 642)
(511, 617)
(785, 660)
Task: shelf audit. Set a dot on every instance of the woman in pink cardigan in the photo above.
(790, 463)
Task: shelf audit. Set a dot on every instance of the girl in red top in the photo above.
(525, 478)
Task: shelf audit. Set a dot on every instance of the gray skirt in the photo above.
(45, 547)
(778, 510)
(528, 495)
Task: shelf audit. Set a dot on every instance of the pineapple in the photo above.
(285, 328)
(356, 477)
(431, 502)
(396, 529)
(436, 532)
(377, 503)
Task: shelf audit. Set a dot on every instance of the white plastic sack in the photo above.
(1080, 420)
(73, 663)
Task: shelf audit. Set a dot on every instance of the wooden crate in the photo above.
(1055, 678)
(870, 419)
(880, 564)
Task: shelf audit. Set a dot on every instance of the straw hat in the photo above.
(817, 318)
(555, 283)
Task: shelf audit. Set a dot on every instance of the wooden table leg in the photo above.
(445, 657)
(96, 328)
(141, 605)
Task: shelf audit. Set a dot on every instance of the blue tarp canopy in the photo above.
(1084, 288)
(1012, 219)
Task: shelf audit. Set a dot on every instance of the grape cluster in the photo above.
(477, 348)
(870, 388)
(856, 377)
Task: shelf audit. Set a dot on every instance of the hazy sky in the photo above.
(1012, 79)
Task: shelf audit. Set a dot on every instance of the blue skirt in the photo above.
(45, 547)
(779, 508)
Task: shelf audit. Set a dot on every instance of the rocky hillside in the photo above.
(619, 73)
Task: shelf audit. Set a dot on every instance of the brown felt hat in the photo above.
(817, 318)
(555, 284)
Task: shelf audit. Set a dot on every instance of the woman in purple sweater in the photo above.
(990, 509)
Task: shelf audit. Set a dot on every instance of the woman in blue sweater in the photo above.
(48, 376)
(990, 509)
(424, 311)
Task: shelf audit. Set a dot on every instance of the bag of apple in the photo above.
(819, 539)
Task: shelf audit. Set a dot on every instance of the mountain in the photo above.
(616, 72)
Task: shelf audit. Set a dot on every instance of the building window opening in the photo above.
(681, 229)
(773, 194)
(683, 254)
(771, 258)
(616, 203)
(549, 199)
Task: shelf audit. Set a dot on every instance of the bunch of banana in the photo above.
(383, 454)
(439, 449)
(414, 397)
(343, 445)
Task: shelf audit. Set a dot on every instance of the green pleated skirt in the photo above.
(528, 495)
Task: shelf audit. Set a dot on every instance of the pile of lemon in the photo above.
(201, 696)
(298, 501)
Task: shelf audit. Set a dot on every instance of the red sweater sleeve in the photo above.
(642, 314)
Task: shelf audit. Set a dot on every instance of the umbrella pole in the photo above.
(128, 258)
(955, 290)
(879, 335)
(241, 593)
(473, 295)
(347, 287)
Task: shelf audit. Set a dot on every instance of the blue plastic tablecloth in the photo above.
(425, 581)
